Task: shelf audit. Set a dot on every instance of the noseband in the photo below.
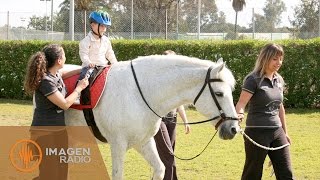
(208, 81)
(222, 115)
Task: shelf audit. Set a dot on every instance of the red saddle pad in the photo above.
(96, 88)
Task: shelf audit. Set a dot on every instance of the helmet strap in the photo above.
(99, 31)
(98, 34)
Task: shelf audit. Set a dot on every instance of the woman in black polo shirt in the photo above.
(262, 90)
(44, 81)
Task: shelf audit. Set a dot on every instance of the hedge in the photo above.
(301, 68)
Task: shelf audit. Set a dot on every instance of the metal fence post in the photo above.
(166, 32)
(51, 20)
(253, 24)
(178, 19)
(71, 20)
(199, 17)
(131, 19)
(45, 22)
(8, 15)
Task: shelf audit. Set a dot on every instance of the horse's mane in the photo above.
(190, 62)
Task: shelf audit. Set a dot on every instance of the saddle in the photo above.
(92, 94)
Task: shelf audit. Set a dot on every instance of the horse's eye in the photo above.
(219, 94)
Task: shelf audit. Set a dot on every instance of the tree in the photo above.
(261, 24)
(271, 18)
(218, 24)
(38, 23)
(306, 19)
(237, 6)
(150, 16)
(272, 13)
(147, 14)
(209, 15)
(81, 8)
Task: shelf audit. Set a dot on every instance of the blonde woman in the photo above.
(262, 90)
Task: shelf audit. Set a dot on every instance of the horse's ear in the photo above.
(220, 60)
(221, 66)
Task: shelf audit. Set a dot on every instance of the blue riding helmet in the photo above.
(100, 17)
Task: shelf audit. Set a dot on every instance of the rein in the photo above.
(138, 86)
(222, 115)
(187, 159)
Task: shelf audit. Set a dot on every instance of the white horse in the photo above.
(166, 81)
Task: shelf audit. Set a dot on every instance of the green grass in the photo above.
(15, 112)
(222, 160)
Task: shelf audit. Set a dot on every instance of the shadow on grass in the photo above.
(288, 110)
(15, 101)
(301, 111)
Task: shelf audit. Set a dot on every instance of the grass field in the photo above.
(222, 160)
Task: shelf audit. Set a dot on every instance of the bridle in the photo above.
(222, 115)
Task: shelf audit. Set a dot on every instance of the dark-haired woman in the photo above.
(44, 80)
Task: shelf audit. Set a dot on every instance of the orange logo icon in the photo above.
(25, 155)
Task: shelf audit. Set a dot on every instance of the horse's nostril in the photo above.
(234, 130)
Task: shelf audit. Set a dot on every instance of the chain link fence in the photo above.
(174, 21)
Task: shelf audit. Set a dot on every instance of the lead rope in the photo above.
(264, 147)
(261, 146)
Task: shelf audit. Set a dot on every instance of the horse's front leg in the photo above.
(118, 151)
(150, 153)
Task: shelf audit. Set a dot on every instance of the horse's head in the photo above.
(215, 100)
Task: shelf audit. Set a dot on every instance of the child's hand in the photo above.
(91, 65)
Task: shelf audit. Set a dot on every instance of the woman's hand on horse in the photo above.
(83, 83)
(91, 65)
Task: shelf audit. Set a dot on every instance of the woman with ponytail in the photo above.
(44, 80)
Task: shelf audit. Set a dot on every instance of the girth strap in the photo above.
(88, 115)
